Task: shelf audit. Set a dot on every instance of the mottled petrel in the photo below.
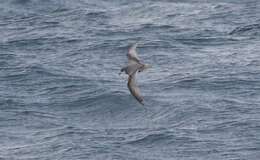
(134, 65)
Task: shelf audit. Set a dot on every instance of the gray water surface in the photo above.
(61, 96)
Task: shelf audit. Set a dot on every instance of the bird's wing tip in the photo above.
(134, 45)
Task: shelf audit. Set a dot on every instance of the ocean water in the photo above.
(61, 97)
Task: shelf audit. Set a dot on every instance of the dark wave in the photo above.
(21, 1)
(207, 41)
(252, 29)
(152, 139)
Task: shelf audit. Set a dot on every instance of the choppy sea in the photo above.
(61, 97)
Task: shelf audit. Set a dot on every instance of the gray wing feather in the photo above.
(132, 54)
(133, 88)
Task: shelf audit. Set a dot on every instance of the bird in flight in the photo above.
(134, 65)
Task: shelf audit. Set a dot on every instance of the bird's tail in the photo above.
(146, 66)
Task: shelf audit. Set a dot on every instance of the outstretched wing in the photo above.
(132, 54)
(133, 88)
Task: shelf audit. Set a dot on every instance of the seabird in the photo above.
(134, 65)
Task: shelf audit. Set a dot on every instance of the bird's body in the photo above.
(134, 65)
(131, 68)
